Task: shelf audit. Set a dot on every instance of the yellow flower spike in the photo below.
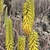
(33, 41)
(0, 18)
(21, 43)
(28, 16)
(1, 8)
(29, 0)
(9, 42)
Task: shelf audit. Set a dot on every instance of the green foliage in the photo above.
(5, 16)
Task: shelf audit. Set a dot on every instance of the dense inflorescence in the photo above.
(33, 41)
(9, 41)
(21, 43)
(28, 16)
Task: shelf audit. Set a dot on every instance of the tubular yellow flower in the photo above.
(29, 14)
(33, 41)
(9, 42)
(21, 43)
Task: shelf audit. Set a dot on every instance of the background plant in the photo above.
(9, 38)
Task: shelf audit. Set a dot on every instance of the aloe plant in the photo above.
(28, 16)
(1, 9)
(1, 6)
(21, 43)
(9, 39)
(33, 41)
(6, 16)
